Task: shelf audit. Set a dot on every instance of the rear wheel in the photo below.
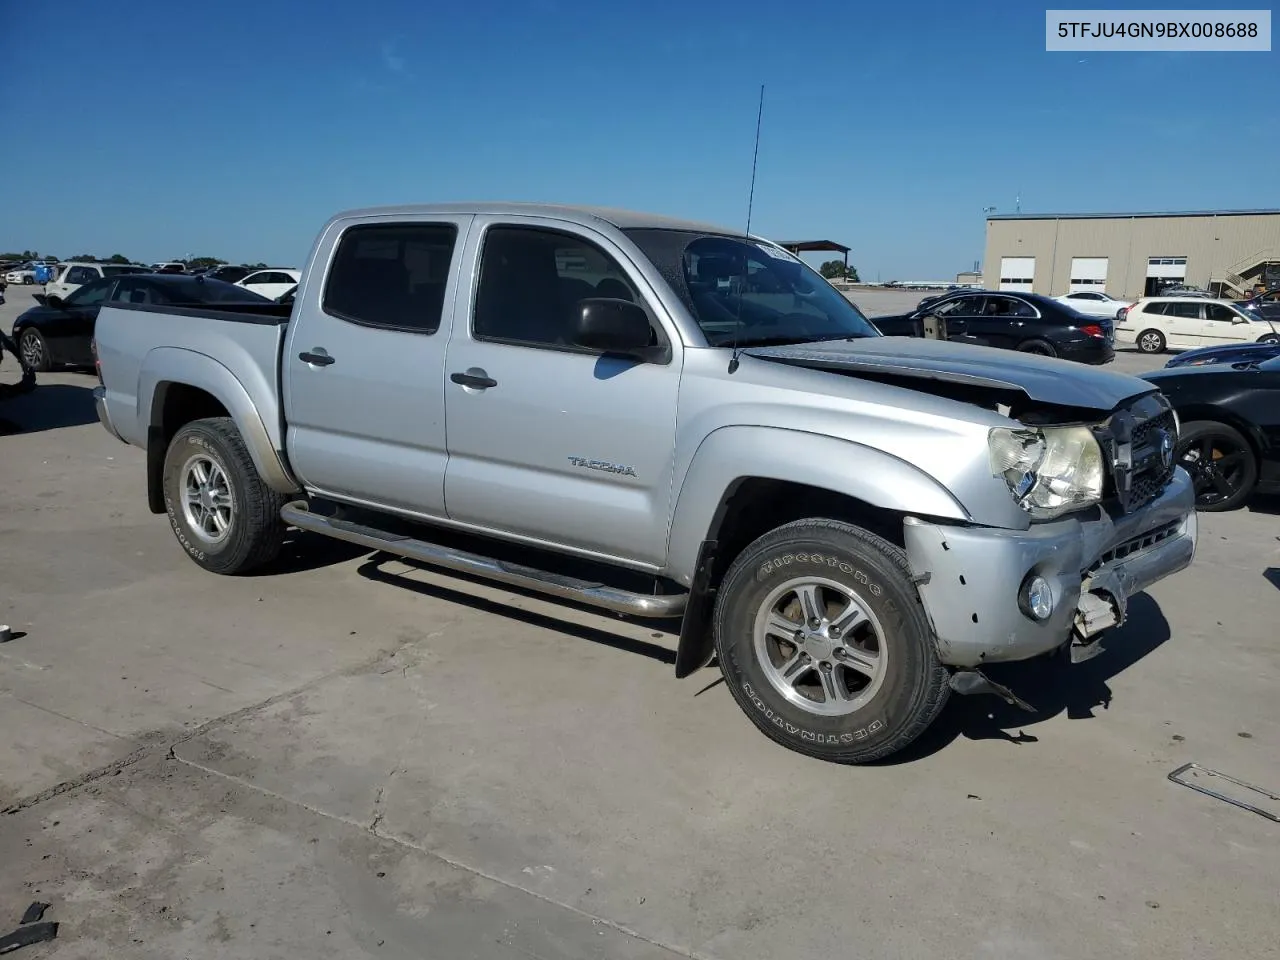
(222, 513)
(1151, 341)
(35, 352)
(1270, 338)
(1041, 348)
(823, 642)
(1222, 465)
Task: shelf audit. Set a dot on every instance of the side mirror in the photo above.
(614, 326)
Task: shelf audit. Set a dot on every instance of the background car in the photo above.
(76, 274)
(58, 331)
(1180, 323)
(172, 266)
(1027, 322)
(25, 274)
(230, 273)
(271, 283)
(1229, 440)
(1267, 304)
(1095, 303)
(1230, 353)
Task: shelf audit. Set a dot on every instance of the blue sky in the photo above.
(235, 130)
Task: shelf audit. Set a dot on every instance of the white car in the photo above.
(271, 283)
(75, 274)
(1095, 303)
(1184, 323)
(25, 275)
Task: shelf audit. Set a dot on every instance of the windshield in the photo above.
(748, 291)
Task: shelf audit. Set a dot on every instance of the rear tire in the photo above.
(223, 514)
(1151, 341)
(1270, 338)
(1041, 348)
(850, 695)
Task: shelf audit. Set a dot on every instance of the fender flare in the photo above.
(174, 365)
(730, 454)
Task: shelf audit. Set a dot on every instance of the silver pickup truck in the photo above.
(664, 419)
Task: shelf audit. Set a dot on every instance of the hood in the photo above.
(1041, 379)
(38, 313)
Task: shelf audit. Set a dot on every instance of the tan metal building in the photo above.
(1133, 254)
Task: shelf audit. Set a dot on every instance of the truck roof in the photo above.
(622, 219)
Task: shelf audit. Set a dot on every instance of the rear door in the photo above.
(549, 442)
(1184, 323)
(1005, 322)
(363, 366)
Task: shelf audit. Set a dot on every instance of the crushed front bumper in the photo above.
(969, 578)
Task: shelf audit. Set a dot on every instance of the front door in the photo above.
(364, 377)
(548, 442)
(958, 314)
(1222, 325)
(1005, 322)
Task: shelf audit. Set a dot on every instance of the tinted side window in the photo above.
(531, 279)
(1190, 311)
(1156, 308)
(391, 275)
(959, 307)
(1216, 311)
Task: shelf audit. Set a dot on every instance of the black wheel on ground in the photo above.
(1270, 338)
(1222, 464)
(35, 352)
(1151, 341)
(223, 514)
(823, 642)
(28, 281)
(1041, 348)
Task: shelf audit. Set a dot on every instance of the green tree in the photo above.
(195, 263)
(119, 258)
(89, 257)
(835, 270)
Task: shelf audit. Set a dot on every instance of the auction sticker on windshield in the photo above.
(1245, 31)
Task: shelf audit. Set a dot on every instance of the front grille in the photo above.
(1139, 441)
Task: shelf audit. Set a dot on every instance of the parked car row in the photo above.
(1156, 324)
(1026, 322)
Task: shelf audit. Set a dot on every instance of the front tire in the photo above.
(1222, 464)
(1151, 341)
(35, 352)
(824, 644)
(223, 514)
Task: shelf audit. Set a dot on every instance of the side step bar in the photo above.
(517, 575)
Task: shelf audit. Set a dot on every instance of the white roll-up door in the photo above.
(1167, 268)
(1017, 273)
(1088, 275)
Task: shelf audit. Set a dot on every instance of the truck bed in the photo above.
(236, 347)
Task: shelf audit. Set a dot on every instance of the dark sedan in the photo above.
(1229, 440)
(1227, 353)
(1266, 305)
(58, 332)
(1026, 322)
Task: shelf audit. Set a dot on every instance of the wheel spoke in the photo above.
(780, 626)
(200, 471)
(849, 619)
(220, 522)
(1230, 460)
(831, 690)
(221, 498)
(861, 661)
(1222, 484)
(794, 668)
(810, 601)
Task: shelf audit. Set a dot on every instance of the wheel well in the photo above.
(754, 506)
(172, 408)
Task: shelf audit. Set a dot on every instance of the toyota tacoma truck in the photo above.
(664, 419)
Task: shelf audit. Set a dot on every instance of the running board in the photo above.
(514, 574)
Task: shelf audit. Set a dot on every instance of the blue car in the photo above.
(1228, 353)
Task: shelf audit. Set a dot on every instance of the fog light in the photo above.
(1036, 597)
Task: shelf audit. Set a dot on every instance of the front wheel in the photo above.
(1222, 464)
(222, 513)
(1270, 338)
(35, 352)
(823, 642)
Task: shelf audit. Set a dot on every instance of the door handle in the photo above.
(319, 359)
(480, 381)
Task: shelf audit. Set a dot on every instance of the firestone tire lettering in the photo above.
(834, 563)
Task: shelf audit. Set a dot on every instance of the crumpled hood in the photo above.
(1042, 379)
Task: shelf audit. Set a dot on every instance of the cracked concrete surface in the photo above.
(360, 758)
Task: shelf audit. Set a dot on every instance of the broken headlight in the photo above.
(1049, 470)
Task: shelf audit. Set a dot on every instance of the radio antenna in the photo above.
(751, 196)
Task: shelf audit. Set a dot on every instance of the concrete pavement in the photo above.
(352, 756)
